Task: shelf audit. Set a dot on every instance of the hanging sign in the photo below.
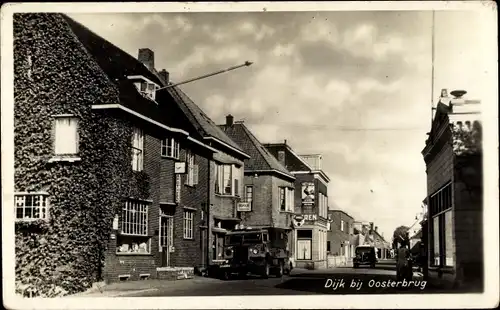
(298, 220)
(307, 193)
(243, 207)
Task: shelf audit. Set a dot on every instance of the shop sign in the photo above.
(301, 219)
(243, 207)
(307, 193)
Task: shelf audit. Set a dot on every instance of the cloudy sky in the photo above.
(353, 86)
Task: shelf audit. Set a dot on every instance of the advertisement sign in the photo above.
(298, 220)
(243, 207)
(180, 167)
(307, 193)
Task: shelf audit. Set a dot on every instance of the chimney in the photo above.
(376, 228)
(285, 141)
(147, 57)
(229, 120)
(281, 157)
(164, 75)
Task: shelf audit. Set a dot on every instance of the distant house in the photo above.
(340, 234)
(269, 188)
(311, 204)
(453, 158)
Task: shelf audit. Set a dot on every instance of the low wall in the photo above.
(337, 261)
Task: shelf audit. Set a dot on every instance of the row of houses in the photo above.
(452, 223)
(119, 175)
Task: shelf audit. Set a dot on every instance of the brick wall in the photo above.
(468, 216)
(336, 236)
(262, 204)
(279, 219)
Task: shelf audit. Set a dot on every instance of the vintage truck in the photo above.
(261, 251)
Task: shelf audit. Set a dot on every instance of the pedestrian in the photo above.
(403, 263)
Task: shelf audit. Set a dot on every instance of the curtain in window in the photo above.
(66, 135)
(137, 149)
(435, 235)
(449, 242)
(227, 181)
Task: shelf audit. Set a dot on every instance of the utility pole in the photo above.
(246, 64)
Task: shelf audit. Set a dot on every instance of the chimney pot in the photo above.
(229, 120)
(147, 57)
(164, 75)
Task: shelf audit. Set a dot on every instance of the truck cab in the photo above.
(259, 251)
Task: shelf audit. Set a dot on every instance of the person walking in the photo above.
(403, 263)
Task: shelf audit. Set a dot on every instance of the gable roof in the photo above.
(118, 65)
(293, 162)
(260, 158)
(203, 124)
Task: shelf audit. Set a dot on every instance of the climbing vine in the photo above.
(54, 74)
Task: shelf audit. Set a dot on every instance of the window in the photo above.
(31, 206)
(304, 243)
(342, 225)
(147, 89)
(133, 224)
(443, 245)
(228, 179)
(249, 195)
(192, 169)
(328, 246)
(188, 224)
(137, 149)
(286, 199)
(322, 205)
(66, 135)
(170, 147)
(218, 246)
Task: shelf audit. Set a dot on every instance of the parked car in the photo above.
(365, 255)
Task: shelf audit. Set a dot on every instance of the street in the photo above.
(300, 281)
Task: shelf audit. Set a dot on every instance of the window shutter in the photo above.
(195, 174)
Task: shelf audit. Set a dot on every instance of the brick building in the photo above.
(112, 173)
(268, 186)
(453, 157)
(225, 174)
(311, 205)
(340, 233)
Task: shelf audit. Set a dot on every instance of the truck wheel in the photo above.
(279, 270)
(226, 275)
(265, 270)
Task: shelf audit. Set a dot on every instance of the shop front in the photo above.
(310, 235)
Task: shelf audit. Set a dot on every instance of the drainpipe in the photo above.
(208, 214)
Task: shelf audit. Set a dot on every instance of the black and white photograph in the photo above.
(250, 155)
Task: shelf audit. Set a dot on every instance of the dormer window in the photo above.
(146, 87)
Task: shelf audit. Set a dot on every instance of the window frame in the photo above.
(170, 148)
(441, 203)
(43, 207)
(72, 119)
(251, 187)
(132, 225)
(190, 165)
(188, 224)
(137, 149)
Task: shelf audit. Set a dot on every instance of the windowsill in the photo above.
(189, 185)
(170, 157)
(226, 195)
(189, 208)
(190, 239)
(134, 235)
(303, 260)
(31, 220)
(64, 158)
(133, 254)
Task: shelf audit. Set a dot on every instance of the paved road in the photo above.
(343, 280)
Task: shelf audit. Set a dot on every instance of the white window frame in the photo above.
(66, 137)
(170, 147)
(192, 169)
(188, 224)
(342, 225)
(149, 90)
(137, 148)
(131, 224)
(39, 206)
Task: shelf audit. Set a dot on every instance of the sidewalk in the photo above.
(131, 287)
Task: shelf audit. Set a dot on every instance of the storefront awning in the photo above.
(219, 230)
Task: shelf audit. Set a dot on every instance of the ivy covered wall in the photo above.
(54, 74)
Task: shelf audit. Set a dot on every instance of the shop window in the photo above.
(133, 237)
(65, 135)
(31, 206)
(304, 244)
(443, 245)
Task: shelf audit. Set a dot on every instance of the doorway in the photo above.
(166, 239)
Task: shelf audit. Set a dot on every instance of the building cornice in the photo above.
(291, 177)
(139, 115)
(314, 172)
